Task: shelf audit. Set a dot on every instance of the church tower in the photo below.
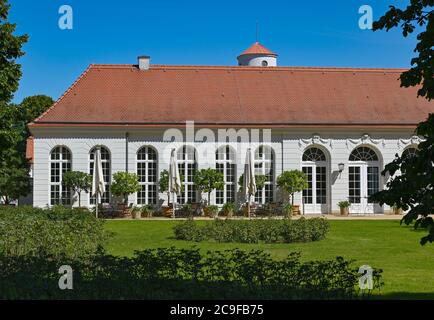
(257, 56)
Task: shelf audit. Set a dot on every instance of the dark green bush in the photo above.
(189, 231)
(182, 274)
(72, 233)
(254, 231)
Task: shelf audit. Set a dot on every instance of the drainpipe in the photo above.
(127, 135)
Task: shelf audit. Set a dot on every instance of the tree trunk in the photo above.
(209, 198)
(79, 199)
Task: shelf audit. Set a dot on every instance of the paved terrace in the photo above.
(328, 216)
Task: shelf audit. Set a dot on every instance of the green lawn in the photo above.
(408, 268)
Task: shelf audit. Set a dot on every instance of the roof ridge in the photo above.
(64, 94)
(251, 68)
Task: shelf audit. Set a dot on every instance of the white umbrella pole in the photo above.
(173, 206)
(248, 207)
(96, 200)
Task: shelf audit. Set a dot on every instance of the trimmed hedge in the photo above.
(254, 231)
(70, 233)
(172, 273)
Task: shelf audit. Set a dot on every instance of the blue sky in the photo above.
(306, 33)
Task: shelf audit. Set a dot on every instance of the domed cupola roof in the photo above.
(258, 49)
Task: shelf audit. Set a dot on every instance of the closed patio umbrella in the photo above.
(98, 185)
(249, 182)
(174, 178)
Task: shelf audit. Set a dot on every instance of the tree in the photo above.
(411, 179)
(163, 182)
(10, 74)
(33, 106)
(292, 181)
(207, 180)
(124, 184)
(14, 177)
(419, 13)
(78, 182)
(411, 186)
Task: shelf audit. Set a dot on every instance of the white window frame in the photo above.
(147, 183)
(229, 159)
(262, 162)
(62, 162)
(183, 165)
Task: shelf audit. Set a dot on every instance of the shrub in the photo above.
(169, 273)
(70, 233)
(189, 231)
(254, 231)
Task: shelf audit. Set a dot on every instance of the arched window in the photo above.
(363, 179)
(314, 154)
(314, 165)
(363, 154)
(60, 162)
(264, 165)
(409, 152)
(225, 163)
(186, 158)
(106, 170)
(147, 172)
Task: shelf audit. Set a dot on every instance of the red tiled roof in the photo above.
(30, 148)
(258, 48)
(278, 96)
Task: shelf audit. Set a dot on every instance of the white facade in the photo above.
(288, 146)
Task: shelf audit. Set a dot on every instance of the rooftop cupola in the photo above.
(257, 56)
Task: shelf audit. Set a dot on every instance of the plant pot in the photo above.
(345, 211)
(146, 214)
(209, 213)
(167, 211)
(398, 211)
(136, 214)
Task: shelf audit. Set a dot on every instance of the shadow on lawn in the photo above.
(406, 296)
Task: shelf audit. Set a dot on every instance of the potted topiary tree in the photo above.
(207, 180)
(124, 184)
(344, 207)
(78, 182)
(292, 181)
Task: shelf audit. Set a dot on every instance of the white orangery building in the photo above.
(339, 125)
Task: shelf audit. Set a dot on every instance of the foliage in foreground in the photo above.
(172, 273)
(70, 233)
(254, 231)
(411, 184)
(417, 16)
